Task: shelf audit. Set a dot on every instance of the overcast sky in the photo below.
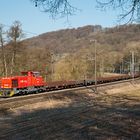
(35, 22)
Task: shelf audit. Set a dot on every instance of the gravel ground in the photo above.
(112, 114)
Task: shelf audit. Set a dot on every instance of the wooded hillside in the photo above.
(69, 53)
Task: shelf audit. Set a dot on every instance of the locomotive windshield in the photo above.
(36, 74)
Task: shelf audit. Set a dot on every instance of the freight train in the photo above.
(32, 82)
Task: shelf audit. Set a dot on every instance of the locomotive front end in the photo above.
(8, 85)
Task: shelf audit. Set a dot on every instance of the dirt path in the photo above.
(81, 115)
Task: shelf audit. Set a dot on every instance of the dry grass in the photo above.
(81, 115)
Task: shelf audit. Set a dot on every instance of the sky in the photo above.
(35, 22)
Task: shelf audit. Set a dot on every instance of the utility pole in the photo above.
(133, 65)
(122, 67)
(95, 63)
(95, 67)
(52, 66)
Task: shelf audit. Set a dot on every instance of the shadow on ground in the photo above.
(85, 118)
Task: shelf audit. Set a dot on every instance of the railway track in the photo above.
(32, 98)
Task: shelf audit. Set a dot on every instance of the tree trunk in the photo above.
(13, 59)
(3, 56)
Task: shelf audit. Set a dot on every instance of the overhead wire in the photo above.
(24, 31)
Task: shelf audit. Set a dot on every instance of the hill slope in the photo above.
(71, 40)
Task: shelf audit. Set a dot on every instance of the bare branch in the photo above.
(130, 8)
(56, 8)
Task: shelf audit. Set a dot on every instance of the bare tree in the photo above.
(55, 7)
(130, 8)
(15, 34)
(3, 50)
